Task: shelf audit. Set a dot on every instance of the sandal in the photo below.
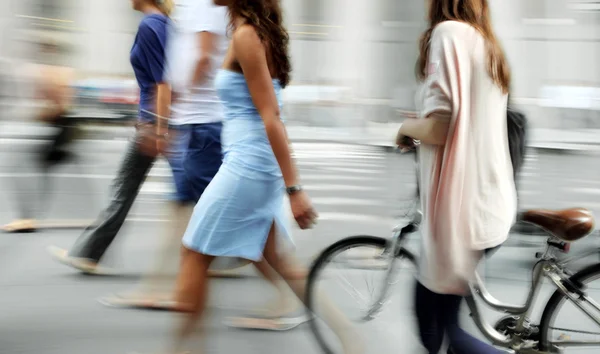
(83, 265)
(265, 322)
(139, 303)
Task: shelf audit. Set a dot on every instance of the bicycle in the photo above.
(514, 331)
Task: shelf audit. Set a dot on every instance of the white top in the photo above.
(468, 194)
(197, 104)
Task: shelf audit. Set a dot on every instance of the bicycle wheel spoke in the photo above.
(357, 295)
(571, 322)
(363, 267)
(573, 330)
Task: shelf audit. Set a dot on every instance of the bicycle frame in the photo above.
(547, 267)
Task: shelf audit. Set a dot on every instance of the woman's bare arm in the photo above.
(250, 54)
(433, 130)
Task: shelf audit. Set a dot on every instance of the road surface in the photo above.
(47, 308)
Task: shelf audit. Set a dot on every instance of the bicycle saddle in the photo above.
(568, 225)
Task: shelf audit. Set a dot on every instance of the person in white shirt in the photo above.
(468, 194)
(196, 46)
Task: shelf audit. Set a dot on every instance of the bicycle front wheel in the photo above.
(567, 328)
(356, 262)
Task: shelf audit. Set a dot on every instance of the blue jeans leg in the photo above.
(204, 156)
(437, 316)
(178, 149)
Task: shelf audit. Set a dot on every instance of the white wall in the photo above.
(109, 30)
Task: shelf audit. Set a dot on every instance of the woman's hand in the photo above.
(302, 210)
(405, 143)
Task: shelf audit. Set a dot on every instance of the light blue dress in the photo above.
(237, 209)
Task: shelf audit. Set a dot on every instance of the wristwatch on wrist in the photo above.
(293, 189)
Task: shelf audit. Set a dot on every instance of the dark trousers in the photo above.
(96, 239)
(437, 315)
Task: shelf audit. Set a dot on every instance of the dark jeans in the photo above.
(437, 316)
(96, 239)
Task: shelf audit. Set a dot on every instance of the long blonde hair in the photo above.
(477, 14)
(165, 6)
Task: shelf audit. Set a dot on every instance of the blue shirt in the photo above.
(148, 61)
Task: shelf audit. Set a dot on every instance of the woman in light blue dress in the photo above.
(245, 199)
(241, 212)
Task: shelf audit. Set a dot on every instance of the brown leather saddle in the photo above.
(569, 225)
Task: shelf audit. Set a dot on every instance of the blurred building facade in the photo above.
(362, 52)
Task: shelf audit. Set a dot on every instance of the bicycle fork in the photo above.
(393, 253)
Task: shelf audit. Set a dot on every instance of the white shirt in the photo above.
(468, 195)
(197, 104)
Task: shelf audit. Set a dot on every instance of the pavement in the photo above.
(357, 189)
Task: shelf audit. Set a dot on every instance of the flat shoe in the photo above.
(82, 264)
(19, 227)
(266, 323)
(120, 301)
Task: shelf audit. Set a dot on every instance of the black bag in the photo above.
(57, 151)
(517, 138)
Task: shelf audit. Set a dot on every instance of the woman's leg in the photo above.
(285, 303)
(157, 285)
(191, 293)
(27, 189)
(295, 276)
(427, 308)
(56, 153)
(33, 191)
(460, 341)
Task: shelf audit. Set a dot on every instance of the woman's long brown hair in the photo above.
(267, 18)
(477, 14)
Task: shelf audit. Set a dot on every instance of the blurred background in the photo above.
(353, 60)
(353, 81)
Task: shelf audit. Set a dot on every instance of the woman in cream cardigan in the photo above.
(468, 194)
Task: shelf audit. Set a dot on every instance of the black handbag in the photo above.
(517, 138)
(57, 151)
